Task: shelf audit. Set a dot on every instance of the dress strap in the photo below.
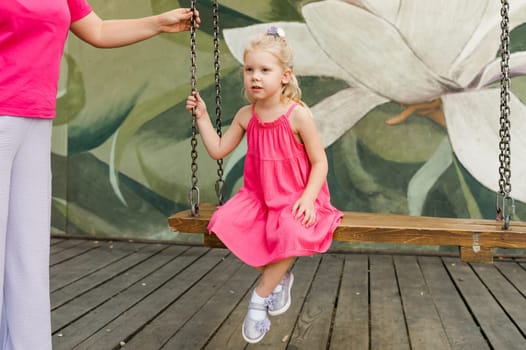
(291, 108)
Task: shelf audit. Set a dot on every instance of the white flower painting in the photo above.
(437, 58)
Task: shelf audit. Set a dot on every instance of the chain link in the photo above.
(505, 205)
(193, 195)
(220, 183)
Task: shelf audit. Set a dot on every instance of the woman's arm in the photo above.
(120, 32)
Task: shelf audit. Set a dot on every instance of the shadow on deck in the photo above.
(112, 295)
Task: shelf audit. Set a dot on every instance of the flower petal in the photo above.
(373, 52)
(309, 58)
(339, 112)
(473, 126)
(485, 41)
(388, 9)
(437, 31)
(426, 177)
(492, 72)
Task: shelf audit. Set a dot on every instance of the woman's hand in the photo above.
(177, 20)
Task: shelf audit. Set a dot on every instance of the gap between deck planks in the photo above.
(476, 238)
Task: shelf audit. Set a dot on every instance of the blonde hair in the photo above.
(277, 46)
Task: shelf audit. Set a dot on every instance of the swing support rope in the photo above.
(194, 194)
(505, 204)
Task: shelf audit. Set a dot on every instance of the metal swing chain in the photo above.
(505, 205)
(193, 195)
(220, 183)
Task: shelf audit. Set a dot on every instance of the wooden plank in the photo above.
(431, 235)
(174, 321)
(313, 328)
(87, 263)
(351, 323)
(55, 240)
(388, 328)
(391, 228)
(89, 301)
(176, 279)
(510, 299)
(423, 322)
(228, 336)
(184, 221)
(461, 329)
(515, 273)
(84, 332)
(196, 332)
(494, 322)
(75, 250)
(63, 244)
(106, 274)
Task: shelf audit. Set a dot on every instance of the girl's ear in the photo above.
(286, 77)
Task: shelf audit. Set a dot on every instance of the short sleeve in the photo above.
(78, 9)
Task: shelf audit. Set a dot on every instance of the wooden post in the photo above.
(211, 240)
(484, 255)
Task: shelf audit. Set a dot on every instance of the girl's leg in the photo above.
(272, 275)
(256, 323)
(26, 281)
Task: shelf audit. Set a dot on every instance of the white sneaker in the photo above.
(279, 302)
(254, 330)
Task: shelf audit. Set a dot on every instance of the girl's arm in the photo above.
(120, 32)
(217, 147)
(303, 123)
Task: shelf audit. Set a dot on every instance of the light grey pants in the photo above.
(25, 211)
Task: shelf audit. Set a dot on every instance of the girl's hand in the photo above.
(177, 20)
(195, 101)
(305, 208)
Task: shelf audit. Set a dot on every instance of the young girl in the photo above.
(283, 209)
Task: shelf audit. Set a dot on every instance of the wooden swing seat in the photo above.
(476, 238)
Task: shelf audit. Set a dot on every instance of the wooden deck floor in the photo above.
(112, 295)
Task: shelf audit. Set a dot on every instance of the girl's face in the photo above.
(263, 75)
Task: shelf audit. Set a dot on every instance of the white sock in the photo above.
(278, 288)
(257, 314)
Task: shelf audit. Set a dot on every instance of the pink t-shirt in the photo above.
(32, 37)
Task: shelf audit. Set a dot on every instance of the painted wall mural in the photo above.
(405, 94)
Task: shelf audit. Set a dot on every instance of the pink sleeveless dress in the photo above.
(257, 224)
